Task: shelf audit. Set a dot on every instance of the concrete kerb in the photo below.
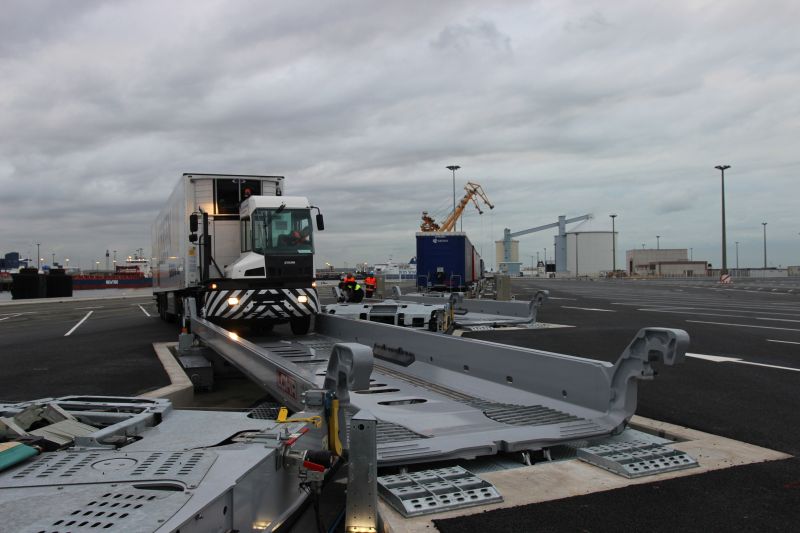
(181, 390)
(563, 479)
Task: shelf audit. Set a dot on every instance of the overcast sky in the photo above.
(555, 107)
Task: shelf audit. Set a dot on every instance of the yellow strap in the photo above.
(334, 443)
(283, 418)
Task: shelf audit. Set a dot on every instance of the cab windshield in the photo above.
(282, 231)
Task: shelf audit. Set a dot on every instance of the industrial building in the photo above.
(670, 262)
(590, 248)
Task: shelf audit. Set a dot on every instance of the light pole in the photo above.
(658, 242)
(38, 256)
(576, 254)
(613, 245)
(765, 243)
(691, 254)
(545, 259)
(737, 258)
(54, 259)
(724, 270)
(454, 168)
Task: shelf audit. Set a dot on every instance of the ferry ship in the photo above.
(129, 276)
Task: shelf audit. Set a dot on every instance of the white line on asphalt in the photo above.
(67, 334)
(784, 342)
(588, 309)
(720, 359)
(17, 314)
(740, 325)
(95, 307)
(143, 310)
(10, 316)
(557, 298)
(716, 314)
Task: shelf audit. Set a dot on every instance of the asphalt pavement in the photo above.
(81, 346)
(741, 380)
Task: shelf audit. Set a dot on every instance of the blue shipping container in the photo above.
(447, 261)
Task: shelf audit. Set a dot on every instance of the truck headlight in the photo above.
(303, 299)
(233, 300)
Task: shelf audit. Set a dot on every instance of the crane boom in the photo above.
(474, 191)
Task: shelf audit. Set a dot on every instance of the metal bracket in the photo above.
(362, 475)
(662, 345)
(349, 368)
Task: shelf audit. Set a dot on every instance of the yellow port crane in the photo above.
(473, 190)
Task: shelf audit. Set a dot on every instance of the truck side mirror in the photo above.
(193, 237)
(320, 222)
(193, 223)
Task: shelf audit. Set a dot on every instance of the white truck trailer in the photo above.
(241, 248)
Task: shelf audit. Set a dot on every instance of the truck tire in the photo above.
(300, 325)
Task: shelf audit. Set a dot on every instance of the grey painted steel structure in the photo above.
(193, 471)
(560, 239)
(438, 397)
(471, 313)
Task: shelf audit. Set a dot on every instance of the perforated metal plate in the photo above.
(436, 491)
(109, 467)
(92, 508)
(636, 458)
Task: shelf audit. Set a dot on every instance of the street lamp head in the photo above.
(613, 216)
(453, 167)
(722, 167)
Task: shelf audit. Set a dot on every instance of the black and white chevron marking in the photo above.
(280, 303)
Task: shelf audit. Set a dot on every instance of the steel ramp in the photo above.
(438, 397)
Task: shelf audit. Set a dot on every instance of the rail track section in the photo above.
(439, 397)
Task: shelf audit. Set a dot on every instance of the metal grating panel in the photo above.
(113, 466)
(265, 411)
(125, 509)
(636, 458)
(435, 491)
(386, 432)
(511, 414)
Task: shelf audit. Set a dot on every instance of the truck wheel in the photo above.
(300, 325)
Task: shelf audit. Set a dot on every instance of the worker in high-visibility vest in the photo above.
(371, 284)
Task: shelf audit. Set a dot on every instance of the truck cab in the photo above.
(277, 240)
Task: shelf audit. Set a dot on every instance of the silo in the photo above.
(589, 249)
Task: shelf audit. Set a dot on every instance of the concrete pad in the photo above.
(563, 479)
(181, 390)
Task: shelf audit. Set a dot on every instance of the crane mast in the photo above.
(473, 192)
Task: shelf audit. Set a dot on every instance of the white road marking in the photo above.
(588, 309)
(17, 314)
(557, 298)
(144, 311)
(67, 334)
(10, 316)
(95, 307)
(784, 342)
(716, 314)
(741, 325)
(720, 359)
